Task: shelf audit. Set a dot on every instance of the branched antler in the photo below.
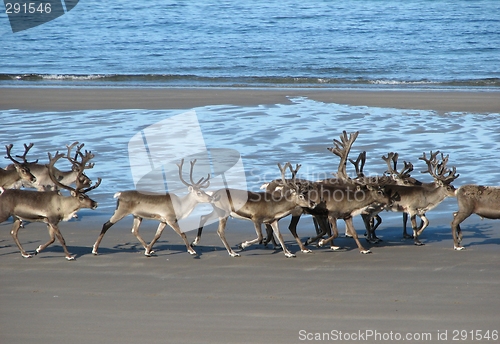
(342, 149)
(393, 171)
(359, 164)
(202, 183)
(26, 149)
(437, 169)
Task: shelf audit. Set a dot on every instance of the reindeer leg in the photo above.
(405, 220)
(269, 237)
(335, 230)
(424, 224)
(276, 230)
(203, 220)
(352, 231)
(258, 230)
(324, 227)
(378, 220)
(135, 231)
(52, 236)
(177, 229)
(456, 231)
(293, 229)
(117, 216)
(15, 228)
(221, 232)
(57, 232)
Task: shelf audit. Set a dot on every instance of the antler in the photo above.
(202, 183)
(50, 167)
(283, 172)
(26, 149)
(438, 170)
(294, 171)
(342, 149)
(81, 166)
(405, 173)
(359, 164)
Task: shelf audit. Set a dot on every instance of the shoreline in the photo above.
(89, 98)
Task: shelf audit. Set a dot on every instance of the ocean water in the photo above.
(288, 43)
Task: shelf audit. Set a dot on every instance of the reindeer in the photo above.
(474, 199)
(49, 207)
(336, 198)
(259, 207)
(418, 199)
(168, 209)
(44, 182)
(370, 216)
(20, 171)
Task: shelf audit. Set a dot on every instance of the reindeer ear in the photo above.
(190, 188)
(73, 193)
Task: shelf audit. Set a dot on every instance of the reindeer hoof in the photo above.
(418, 243)
(233, 254)
(290, 255)
(365, 251)
(335, 248)
(321, 243)
(193, 253)
(26, 255)
(70, 258)
(459, 248)
(306, 251)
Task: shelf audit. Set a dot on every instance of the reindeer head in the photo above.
(80, 191)
(196, 188)
(22, 167)
(298, 191)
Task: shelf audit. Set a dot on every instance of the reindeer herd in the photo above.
(328, 200)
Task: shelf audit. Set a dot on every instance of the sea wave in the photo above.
(166, 80)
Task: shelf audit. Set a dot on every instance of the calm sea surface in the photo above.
(287, 43)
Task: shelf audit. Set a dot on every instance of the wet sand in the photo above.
(121, 296)
(60, 99)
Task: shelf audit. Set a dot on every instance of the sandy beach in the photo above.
(400, 292)
(61, 99)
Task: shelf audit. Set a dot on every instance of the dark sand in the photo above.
(121, 296)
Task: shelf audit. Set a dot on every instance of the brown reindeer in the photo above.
(19, 171)
(43, 181)
(259, 207)
(49, 207)
(474, 199)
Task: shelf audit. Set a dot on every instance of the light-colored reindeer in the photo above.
(167, 208)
